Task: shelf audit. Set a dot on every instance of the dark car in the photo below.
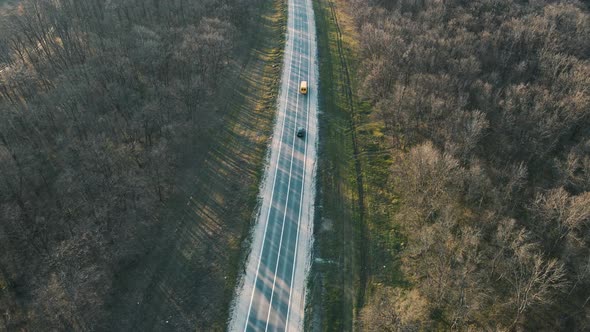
(300, 132)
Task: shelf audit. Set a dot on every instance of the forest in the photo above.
(485, 108)
(97, 99)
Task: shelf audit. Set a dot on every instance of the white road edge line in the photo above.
(310, 74)
(274, 281)
(273, 184)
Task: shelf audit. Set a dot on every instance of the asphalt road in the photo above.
(272, 295)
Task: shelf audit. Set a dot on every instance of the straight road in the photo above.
(271, 296)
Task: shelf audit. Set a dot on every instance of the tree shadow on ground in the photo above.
(187, 279)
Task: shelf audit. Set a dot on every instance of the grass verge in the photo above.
(186, 280)
(354, 233)
(336, 272)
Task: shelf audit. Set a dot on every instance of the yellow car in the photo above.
(303, 87)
